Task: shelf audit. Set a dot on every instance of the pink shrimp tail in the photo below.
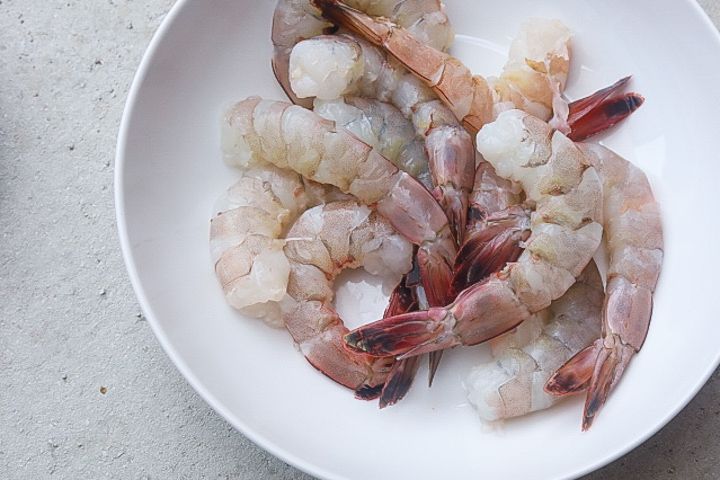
(399, 381)
(597, 368)
(402, 374)
(436, 275)
(409, 334)
(575, 375)
(602, 110)
(455, 204)
(487, 249)
(609, 367)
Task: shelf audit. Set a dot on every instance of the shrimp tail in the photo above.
(352, 19)
(574, 376)
(455, 204)
(609, 367)
(602, 110)
(436, 275)
(400, 378)
(407, 335)
(479, 313)
(452, 165)
(399, 381)
(433, 364)
(489, 248)
(368, 392)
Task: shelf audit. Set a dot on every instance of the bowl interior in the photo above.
(209, 54)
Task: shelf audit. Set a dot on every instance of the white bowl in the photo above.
(169, 173)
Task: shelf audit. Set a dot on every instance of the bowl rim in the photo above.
(262, 441)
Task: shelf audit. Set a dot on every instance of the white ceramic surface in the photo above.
(169, 173)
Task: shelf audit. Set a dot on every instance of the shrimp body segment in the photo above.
(292, 137)
(512, 383)
(323, 242)
(381, 126)
(566, 230)
(635, 248)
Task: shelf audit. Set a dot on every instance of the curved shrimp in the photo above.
(296, 20)
(384, 127)
(512, 383)
(323, 242)
(292, 137)
(472, 98)
(245, 237)
(566, 230)
(635, 247)
(334, 66)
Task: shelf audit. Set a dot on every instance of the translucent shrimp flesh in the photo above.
(381, 126)
(512, 383)
(246, 235)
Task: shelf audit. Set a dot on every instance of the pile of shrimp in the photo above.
(476, 197)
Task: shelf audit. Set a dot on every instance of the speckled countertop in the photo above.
(85, 390)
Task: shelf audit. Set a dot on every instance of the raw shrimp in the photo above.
(566, 230)
(245, 235)
(322, 243)
(536, 72)
(471, 97)
(333, 66)
(292, 137)
(381, 126)
(296, 20)
(512, 383)
(635, 247)
(384, 127)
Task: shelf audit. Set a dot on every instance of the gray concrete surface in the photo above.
(85, 390)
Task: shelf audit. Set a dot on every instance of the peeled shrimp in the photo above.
(381, 126)
(333, 66)
(292, 137)
(512, 383)
(566, 230)
(245, 234)
(536, 72)
(296, 20)
(322, 243)
(472, 98)
(635, 247)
